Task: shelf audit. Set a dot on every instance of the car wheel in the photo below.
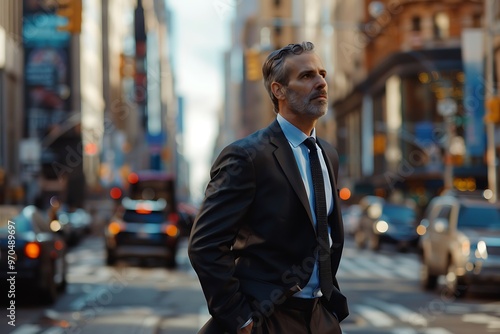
(48, 293)
(375, 243)
(455, 284)
(110, 257)
(360, 239)
(429, 281)
(61, 287)
(172, 260)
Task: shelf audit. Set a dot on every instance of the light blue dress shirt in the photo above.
(296, 138)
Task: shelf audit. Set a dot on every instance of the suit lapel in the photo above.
(284, 155)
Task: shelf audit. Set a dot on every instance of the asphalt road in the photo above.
(382, 288)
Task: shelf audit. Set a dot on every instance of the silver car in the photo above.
(461, 242)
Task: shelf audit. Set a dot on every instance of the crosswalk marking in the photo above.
(374, 316)
(26, 329)
(374, 268)
(377, 316)
(349, 268)
(405, 330)
(363, 264)
(402, 313)
(54, 330)
(369, 268)
(437, 331)
(492, 322)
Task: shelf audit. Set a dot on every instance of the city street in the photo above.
(121, 122)
(383, 291)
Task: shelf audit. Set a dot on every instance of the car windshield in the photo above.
(21, 222)
(152, 217)
(403, 213)
(479, 217)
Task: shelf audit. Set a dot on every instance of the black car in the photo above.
(143, 229)
(31, 250)
(187, 215)
(384, 222)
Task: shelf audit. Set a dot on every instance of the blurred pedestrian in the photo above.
(268, 240)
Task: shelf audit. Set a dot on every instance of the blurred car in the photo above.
(460, 240)
(40, 254)
(187, 214)
(74, 224)
(142, 229)
(384, 222)
(351, 217)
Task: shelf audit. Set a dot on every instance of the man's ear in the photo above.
(278, 90)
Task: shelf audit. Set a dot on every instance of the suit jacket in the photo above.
(253, 242)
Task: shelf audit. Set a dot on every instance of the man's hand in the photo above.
(247, 329)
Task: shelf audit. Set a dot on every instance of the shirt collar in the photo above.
(292, 133)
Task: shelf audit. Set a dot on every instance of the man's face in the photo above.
(306, 92)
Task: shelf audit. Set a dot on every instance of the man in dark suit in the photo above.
(255, 244)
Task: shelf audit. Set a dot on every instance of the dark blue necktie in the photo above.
(325, 266)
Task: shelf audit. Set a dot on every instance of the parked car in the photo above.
(75, 224)
(187, 215)
(351, 217)
(384, 222)
(142, 229)
(38, 256)
(461, 242)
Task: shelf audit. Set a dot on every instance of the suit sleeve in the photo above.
(228, 196)
(338, 303)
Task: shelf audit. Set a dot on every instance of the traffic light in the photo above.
(492, 110)
(253, 65)
(72, 10)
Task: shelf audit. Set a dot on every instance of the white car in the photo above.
(461, 242)
(351, 216)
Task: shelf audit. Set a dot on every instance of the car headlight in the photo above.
(466, 247)
(381, 226)
(55, 225)
(481, 250)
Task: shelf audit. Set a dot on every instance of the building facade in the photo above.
(258, 28)
(410, 119)
(69, 99)
(11, 106)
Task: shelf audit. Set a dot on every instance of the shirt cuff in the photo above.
(249, 321)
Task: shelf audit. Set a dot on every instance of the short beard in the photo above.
(304, 106)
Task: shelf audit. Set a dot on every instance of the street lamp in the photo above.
(489, 94)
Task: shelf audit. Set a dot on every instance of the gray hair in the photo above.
(273, 69)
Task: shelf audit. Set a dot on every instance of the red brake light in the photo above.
(59, 245)
(115, 193)
(144, 209)
(173, 218)
(133, 178)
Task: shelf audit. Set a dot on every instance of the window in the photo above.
(277, 30)
(476, 21)
(441, 25)
(479, 216)
(415, 23)
(445, 212)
